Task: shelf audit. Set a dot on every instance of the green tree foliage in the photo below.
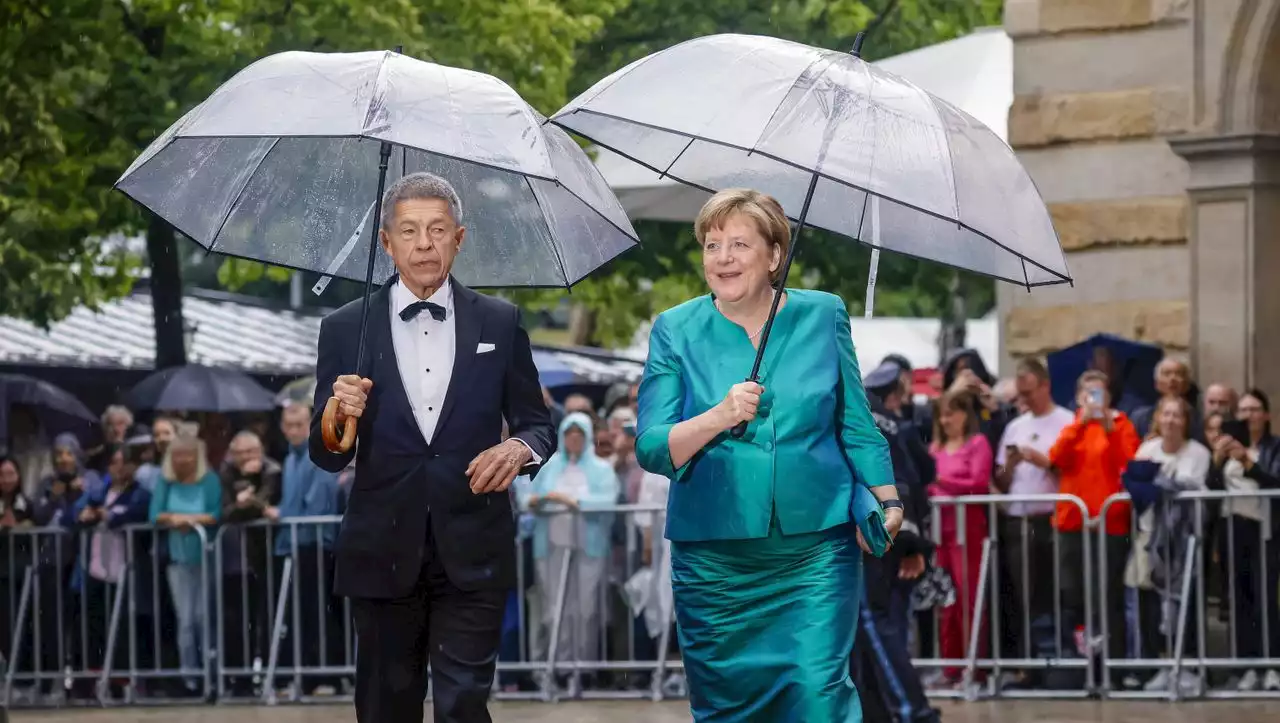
(55, 162)
(86, 84)
(667, 261)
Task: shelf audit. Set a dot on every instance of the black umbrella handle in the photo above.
(384, 160)
(740, 429)
(333, 441)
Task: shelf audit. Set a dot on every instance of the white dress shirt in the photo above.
(425, 351)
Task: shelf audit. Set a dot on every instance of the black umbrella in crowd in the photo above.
(56, 409)
(197, 388)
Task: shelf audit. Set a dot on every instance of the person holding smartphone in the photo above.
(1026, 530)
(1246, 459)
(1089, 456)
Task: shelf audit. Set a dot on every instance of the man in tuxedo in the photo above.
(426, 550)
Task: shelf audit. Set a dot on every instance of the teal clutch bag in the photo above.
(868, 515)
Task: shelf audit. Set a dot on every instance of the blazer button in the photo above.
(768, 446)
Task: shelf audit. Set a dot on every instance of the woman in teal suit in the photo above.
(765, 529)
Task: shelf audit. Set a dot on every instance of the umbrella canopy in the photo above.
(552, 372)
(55, 408)
(973, 72)
(196, 388)
(1130, 364)
(842, 145)
(281, 165)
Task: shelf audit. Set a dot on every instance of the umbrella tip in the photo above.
(857, 44)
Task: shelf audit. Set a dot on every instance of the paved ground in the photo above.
(631, 712)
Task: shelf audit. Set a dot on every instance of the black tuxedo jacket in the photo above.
(402, 484)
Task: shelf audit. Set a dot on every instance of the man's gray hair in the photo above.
(117, 410)
(247, 436)
(418, 186)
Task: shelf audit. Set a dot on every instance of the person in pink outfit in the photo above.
(963, 458)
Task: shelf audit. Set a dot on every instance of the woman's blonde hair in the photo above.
(186, 436)
(771, 221)
(1183, 408)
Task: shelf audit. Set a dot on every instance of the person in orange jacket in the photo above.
(1090, 456)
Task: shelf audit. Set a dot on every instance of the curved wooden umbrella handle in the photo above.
(329, 429)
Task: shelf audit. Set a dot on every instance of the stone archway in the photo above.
(1234, 189)
(1266, 75)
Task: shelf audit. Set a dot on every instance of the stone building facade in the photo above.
(1152, 129)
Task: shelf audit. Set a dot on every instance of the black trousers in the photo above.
(1254, 588)
(888, 685)
(246, 621)
(456, 631)
(94, 607)
(1152, 642)
(318, 619)
(49, 617)
(1109, 606)
(1027, 566)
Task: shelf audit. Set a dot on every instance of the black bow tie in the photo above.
(412, 310)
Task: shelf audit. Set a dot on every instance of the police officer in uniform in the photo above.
(912, 417)
(890, 686)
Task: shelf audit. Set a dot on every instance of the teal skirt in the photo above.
(767, 626)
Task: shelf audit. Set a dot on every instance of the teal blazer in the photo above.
(812, 444)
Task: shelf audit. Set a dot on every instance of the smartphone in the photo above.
(1010, 450)
(1095, 397)
(1238, 429)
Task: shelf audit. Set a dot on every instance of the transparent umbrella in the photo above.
(843, 145)
(287, 162)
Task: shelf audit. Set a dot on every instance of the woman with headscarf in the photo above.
(572, 484)
(964, 371)
(57, 547)
(59, 491)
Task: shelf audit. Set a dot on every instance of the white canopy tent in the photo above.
(973, 73)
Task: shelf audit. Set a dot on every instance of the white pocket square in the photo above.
(484, 347)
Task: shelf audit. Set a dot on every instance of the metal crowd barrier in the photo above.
(68, 618)
(581, 604)
(592, 618)
(1252, 555)
(975, 607)
(1094, 631)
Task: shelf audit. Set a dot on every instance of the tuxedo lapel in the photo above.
(467, 325)
(384, 366)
